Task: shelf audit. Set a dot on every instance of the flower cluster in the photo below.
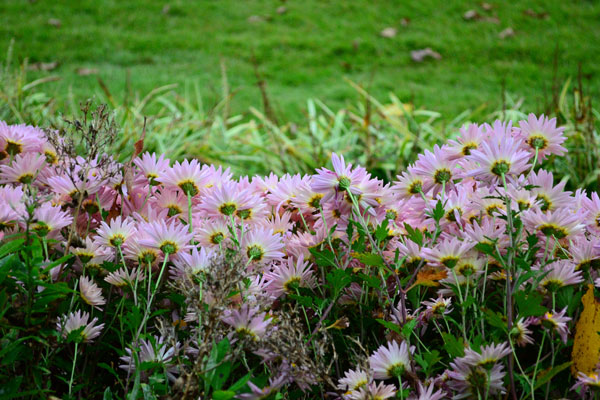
(474, 249)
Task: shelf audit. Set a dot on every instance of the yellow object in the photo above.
(586, 347)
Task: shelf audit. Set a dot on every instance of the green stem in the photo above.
(73, 369)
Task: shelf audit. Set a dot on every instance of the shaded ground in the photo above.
(306, 50)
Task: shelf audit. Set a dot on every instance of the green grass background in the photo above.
(307, 51)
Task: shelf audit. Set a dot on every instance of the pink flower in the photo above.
(261, 245)
(557, 322)
(50, 219)
(151, 167)
(342, 178)
(24, 169)
(124, 277)
(117, 233)
(560, 273)
(187, 176)
(170, 239)
(77, 320)
(541, 134)
(434, 168)
(391, 360)
(90, 292)
(248, 322)
(550, 196)
(287, 276)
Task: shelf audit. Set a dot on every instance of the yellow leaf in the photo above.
(429, 277)
(586, 346)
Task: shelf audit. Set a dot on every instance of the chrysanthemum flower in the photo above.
(342, 178)
(427, 393)
(435, 168)
(559, 223)
(248, 322)
(152, 351)
(19, 139)
(470, 138)
(50, 219)
(470, 381)
(211, 233)
(588, 381)
(448, 252)
(93, 254)
(408, 184)
(123, 277)
(224, 201)
(373, 391)
(257, 393)
(520, 333)
(438, 307)
(556, 322)
(13, 206)
(391, 360)
(261, 245)
(173, 200)
(24, 169)
(551, 197)
(559, 274)
(489, 355)
(289, 275)
(77, 320)
(191, 264)
(187, 176)
(152, 167)
(117, 233)
(584, 252)
(353, 380)
(90, 292)
(592, 206)
(170, 239)
(541, 134)
(496, 158)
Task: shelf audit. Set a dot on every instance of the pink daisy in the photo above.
(391, 360)
(261, 245)
(170, 239)
(289, 275)
(77, 320)
(541, 134)
(24, 169)
(90, 292)
(117, 233)
(248, 322)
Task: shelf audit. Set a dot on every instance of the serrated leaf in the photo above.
(323, 258)
(529, 304)
(371, 259)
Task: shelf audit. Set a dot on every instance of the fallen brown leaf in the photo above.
(405, 21)
(42, 66)
(533, 14)
(281, 10)
(54, 22)
(471, 15)
(486, 6)
(422, 54)
(389, 32)
(508, 32)
(86, 71)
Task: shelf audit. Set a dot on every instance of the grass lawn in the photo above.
(308, 50)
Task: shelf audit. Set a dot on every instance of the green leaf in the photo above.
(438, 212)
(408, 328)
(223, 395)
(338, 279)
(323, 258)
(381, 233)
(529, 304)
(304, 301)
(414, 234)
(455, 347)
(390, 325)
(240, 383)
(550, 374)
(369, 259)
(11, 247)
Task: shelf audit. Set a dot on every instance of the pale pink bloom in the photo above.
(592, 206)
(188, 265)
(408, 184)
(556, 322)
(284, 192)
(257, 393)
(470, 138)
(427, 393)
(169, 238)
(560, 273)
(448, 252)
(151, 166)
(173, 200)
(117, 233)
(187, 176)
(587, 381)
(542, 134)
(487, 355)
(337, 213)
(560, 223)
(438, 307)
(77, 320)
(585, 252)
(93, 254)
(247, 322)
(498, 157)
(306, 199)
(488, 231)
(353, 380)
(261, 245)
(470, 381)
(19, 139)
(286, 276)
(281, 224)
(373, 391)
(155, 350)
(391, 360)
(13, 206)
(211, 233)
(224, 201)
(90, 292)
(551, 197)
(23, 169)
(435, 168)
(50, 219)
(143, 253)
(342, 178)
(521, 334)
(123, 277)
